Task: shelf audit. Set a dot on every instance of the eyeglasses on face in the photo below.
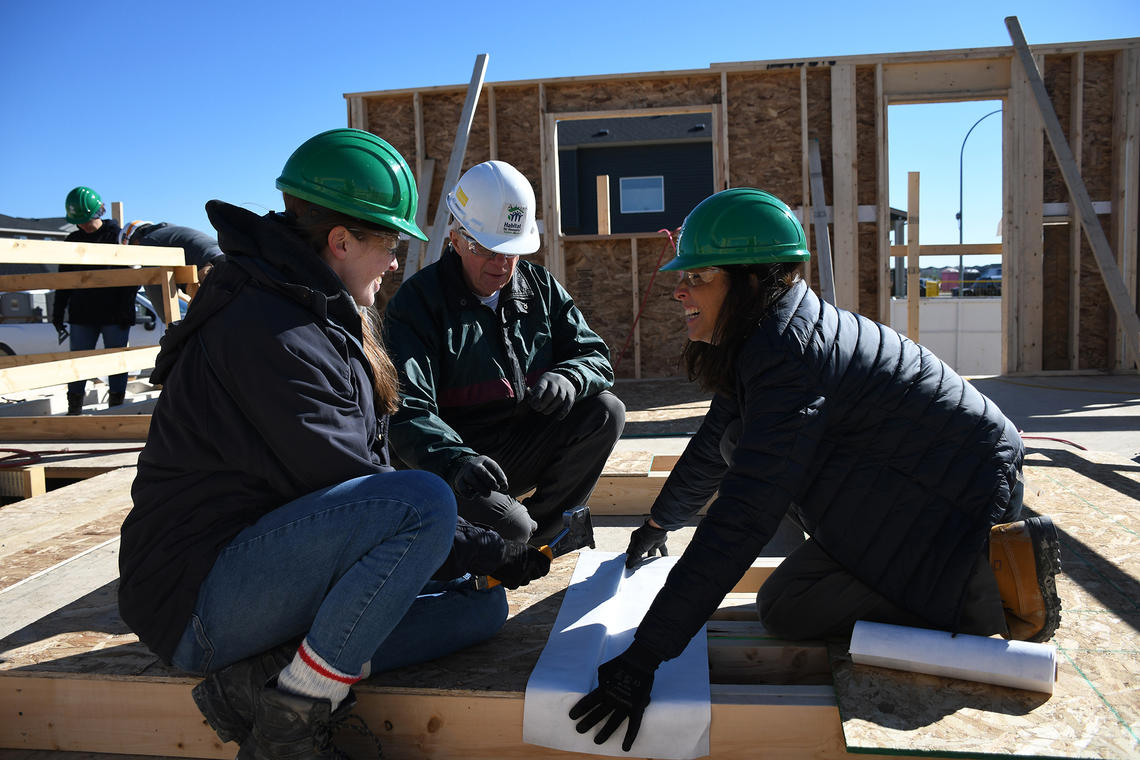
(699, 277)
(476, 248)
(388, 240)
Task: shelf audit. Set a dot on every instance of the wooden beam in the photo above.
(945, 80)
(108, 362)
(602, 182)
(118, 214)
(14, 251)
(1114, 282)
(723, 163)
(99, 427)
(1126, 186)
(23, 483)
(454, 164)
(940, 249)
(844, 187)
(819, 219)
(418, 123)
(492, 126)
(1077, 138)
(552, 196)
(635, 291)
(912, 265)
(882, 201)
(806, 217)
(357, 113)
(95, 278)
(417, 248)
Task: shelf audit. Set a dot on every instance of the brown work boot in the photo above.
(1026, 557)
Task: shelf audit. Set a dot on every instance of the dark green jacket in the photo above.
(464, 367)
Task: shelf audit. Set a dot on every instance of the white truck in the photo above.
(26, 328)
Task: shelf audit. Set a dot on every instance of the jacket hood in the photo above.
(268, 251)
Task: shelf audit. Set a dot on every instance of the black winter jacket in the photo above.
(95, 306)
(267, 396)
(896, 466)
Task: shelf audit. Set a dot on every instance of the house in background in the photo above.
(659, 168)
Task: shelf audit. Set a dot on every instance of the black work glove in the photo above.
(553, 394)
(643, 542)
(478, 476)
(623, 690)
(521, 565)
(61, 331)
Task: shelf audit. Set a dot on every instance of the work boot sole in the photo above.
(1047, 553)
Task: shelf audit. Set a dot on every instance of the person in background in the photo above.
(199, 249)
(93, 313)
(906, 480)
(504, 387)
(271, 546)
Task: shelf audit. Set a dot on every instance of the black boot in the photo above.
(228, 698)
(116, 399)
(291, 727)
(75, 403)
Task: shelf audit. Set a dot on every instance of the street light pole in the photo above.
(961, 225)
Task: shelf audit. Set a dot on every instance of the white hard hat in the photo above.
(495, 204)
(129, 231)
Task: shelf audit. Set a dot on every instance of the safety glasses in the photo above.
(474, 247)
(388, 240)
(699, 277)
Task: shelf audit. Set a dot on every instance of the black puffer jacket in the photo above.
(897, 466)
(267, 396)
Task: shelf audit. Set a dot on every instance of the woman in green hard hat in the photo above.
(904, 478)
(271, 545)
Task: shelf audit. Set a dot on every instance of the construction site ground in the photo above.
(75, 682)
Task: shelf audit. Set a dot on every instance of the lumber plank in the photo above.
(819, 220)
(102, 427)
(157, 716)
(108, 362)
(913, 267)
(15, 251)
(23, 483)
(96, 278)
(844, 184)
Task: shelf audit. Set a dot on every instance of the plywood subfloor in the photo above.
(1094, 499)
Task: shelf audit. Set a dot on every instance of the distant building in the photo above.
(55, 228)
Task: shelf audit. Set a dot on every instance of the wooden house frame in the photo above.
(765, 116)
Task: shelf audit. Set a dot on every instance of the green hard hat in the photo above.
(356, 173)
(741, 225)
(83, 204)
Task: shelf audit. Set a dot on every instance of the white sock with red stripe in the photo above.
(310, 676)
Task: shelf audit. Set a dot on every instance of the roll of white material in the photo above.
(1020, 664)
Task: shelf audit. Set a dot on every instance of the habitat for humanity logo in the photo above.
(513, 224)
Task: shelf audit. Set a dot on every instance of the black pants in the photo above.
(811, 596)
(559, 459)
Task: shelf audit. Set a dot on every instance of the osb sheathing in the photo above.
(1096, 172)
(867, 150)
(819, 127)
(598, 276)
(764, 144)
(619, 94)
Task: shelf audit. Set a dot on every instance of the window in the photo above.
(642, 195)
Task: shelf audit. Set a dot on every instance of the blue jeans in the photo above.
(84, 338)
(344, 567)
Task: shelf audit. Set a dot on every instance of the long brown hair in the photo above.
(313, 223)
(752, 289)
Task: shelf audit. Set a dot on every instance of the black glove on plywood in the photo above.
(624, 684)
(643, 542)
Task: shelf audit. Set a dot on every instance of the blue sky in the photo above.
(163, 106)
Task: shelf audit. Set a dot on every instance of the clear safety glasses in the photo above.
(699, 277)
(474, 247)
